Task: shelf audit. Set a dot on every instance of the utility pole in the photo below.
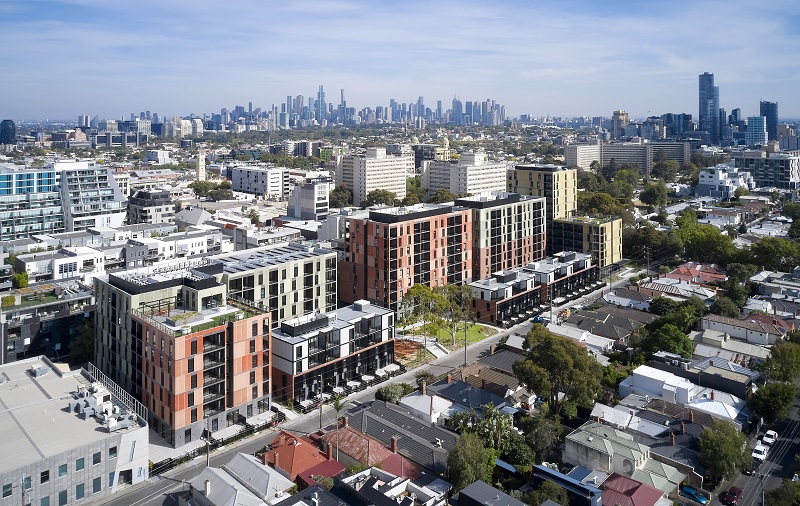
(320, 401)
(550, 298)
(647, 252)
(208, 437)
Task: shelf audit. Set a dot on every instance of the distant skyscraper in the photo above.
(458, 112)
(756, 131)
(8, 132)
(770, 111)
(619, 120)
(322, 109)
(83, 121)
(709, 106)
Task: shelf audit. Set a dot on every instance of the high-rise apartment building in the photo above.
(193, 354)
(619, 121)
(599, 236)
(641, 154)
(472, 174)
(269, 182)
(508, 231)
(374, 170)
(756, 134)
(151, 206)
(327, 353)
(310, 201)
(60, 197)
(394, 248)
(709, 106)
(769, 110)
(556, 183)
(778, 170)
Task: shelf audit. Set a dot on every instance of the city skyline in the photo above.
(565, 59)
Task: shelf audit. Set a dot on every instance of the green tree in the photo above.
(783, 363)
(415, 193)
(739, 273)
(378, 197)
(517, 452)
(82, 348)
(773, 401)
(549, 490)
(724, 306)
(457, 299)
(542, 433)
(740, 192)
(628, 177)
(19, 279)
(662, 305)
(666, 170)
(668, 338)
(723, 449)
(791, 210)
(341, 196)
(555, 365)
(220, 194)
(253, 215)
(470, 461)
(788, 494)
(794, 229)
(201, 188)
(654, 194)
(493, 427)
(775, 254)
(394, 392)
(442, 195)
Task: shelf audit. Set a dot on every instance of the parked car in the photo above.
(751, 469)
(769, 437)
(760, 453)
(692, 493)
(732, 496)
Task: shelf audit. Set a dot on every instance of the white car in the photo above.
(760, 453)
(769, 437)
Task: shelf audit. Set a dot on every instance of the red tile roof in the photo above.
(698, 273)
(294, 454)
(327, 469)
(619, 490)
(400, 466)
(358, 446)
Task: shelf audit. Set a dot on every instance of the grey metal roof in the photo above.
(502, 360)
(464, 394)
(306, 498)
(416, 440)
(483, 493)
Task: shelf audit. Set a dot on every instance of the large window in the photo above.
(79, 464)
(7, 490)
(62, 470)
(79, 491)
(96, 458)
(112, 452)
(96, 484)
(44, 477)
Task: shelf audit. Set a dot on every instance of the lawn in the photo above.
(475, 333)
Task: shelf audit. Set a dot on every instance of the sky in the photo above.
(559, 58)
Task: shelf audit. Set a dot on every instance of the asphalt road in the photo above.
(777, 467)
(162, 489)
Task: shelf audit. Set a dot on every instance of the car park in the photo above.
(770, 437)
(692, 493)
(732, 496)
(760, 453)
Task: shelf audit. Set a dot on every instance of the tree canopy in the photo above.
(724, 306)
(654, 194)
(341, 196)
(783, 363)
(723, 449)
(379, 196)
(554, 365)
(470, 461)
(773, 401)
(668, 338)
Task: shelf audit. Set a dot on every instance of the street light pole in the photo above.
(208, 437)
(320, 401)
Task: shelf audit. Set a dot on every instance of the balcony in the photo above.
(212, 396)
(210, 362)
(212, 379)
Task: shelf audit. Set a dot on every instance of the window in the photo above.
(7, 490)
(96, 458)
(194, 381)
(194, 347)
(44, 477)
(255, 395)
(255, 329)
(191, 365)
(79, 491)
(111, 479)
(79, 464)
(194, 415)
(253, 343)
(44, 501)
(112, 452)
(96, 484)
(133, 450)
(62, 470)
(26, 482)
(190, 400)
(255, 360)
(62, 498)
(187, 436)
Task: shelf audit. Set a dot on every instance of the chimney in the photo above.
(483, 384)
(491, 350)
(672, 438)
(424, 388)
(276, 460)
(712, 395)
(431, 411)
(207, 488)
(683, 428)
(691, 416)
(449, 378)
(345, 423)
(315, 499)
(711, 363)
(329, 452)
(393, 444)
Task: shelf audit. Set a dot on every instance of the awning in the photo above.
(391, 368)
(380, 373)
(367, 377)
(353, 384)
(338, 390)
(306, 403)
(559, 300)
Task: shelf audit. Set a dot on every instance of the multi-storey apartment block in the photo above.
(196, 356)
(778, 170)
(61, 197)
(472, 174)
(508, 231)
(151, 206)
(556, 183)
(374, 170)
(269, 182)
(394, 248)
(330, 353)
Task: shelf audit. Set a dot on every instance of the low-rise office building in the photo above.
(269, 182)
(67, 435)
(151, 206)
(471, 174)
